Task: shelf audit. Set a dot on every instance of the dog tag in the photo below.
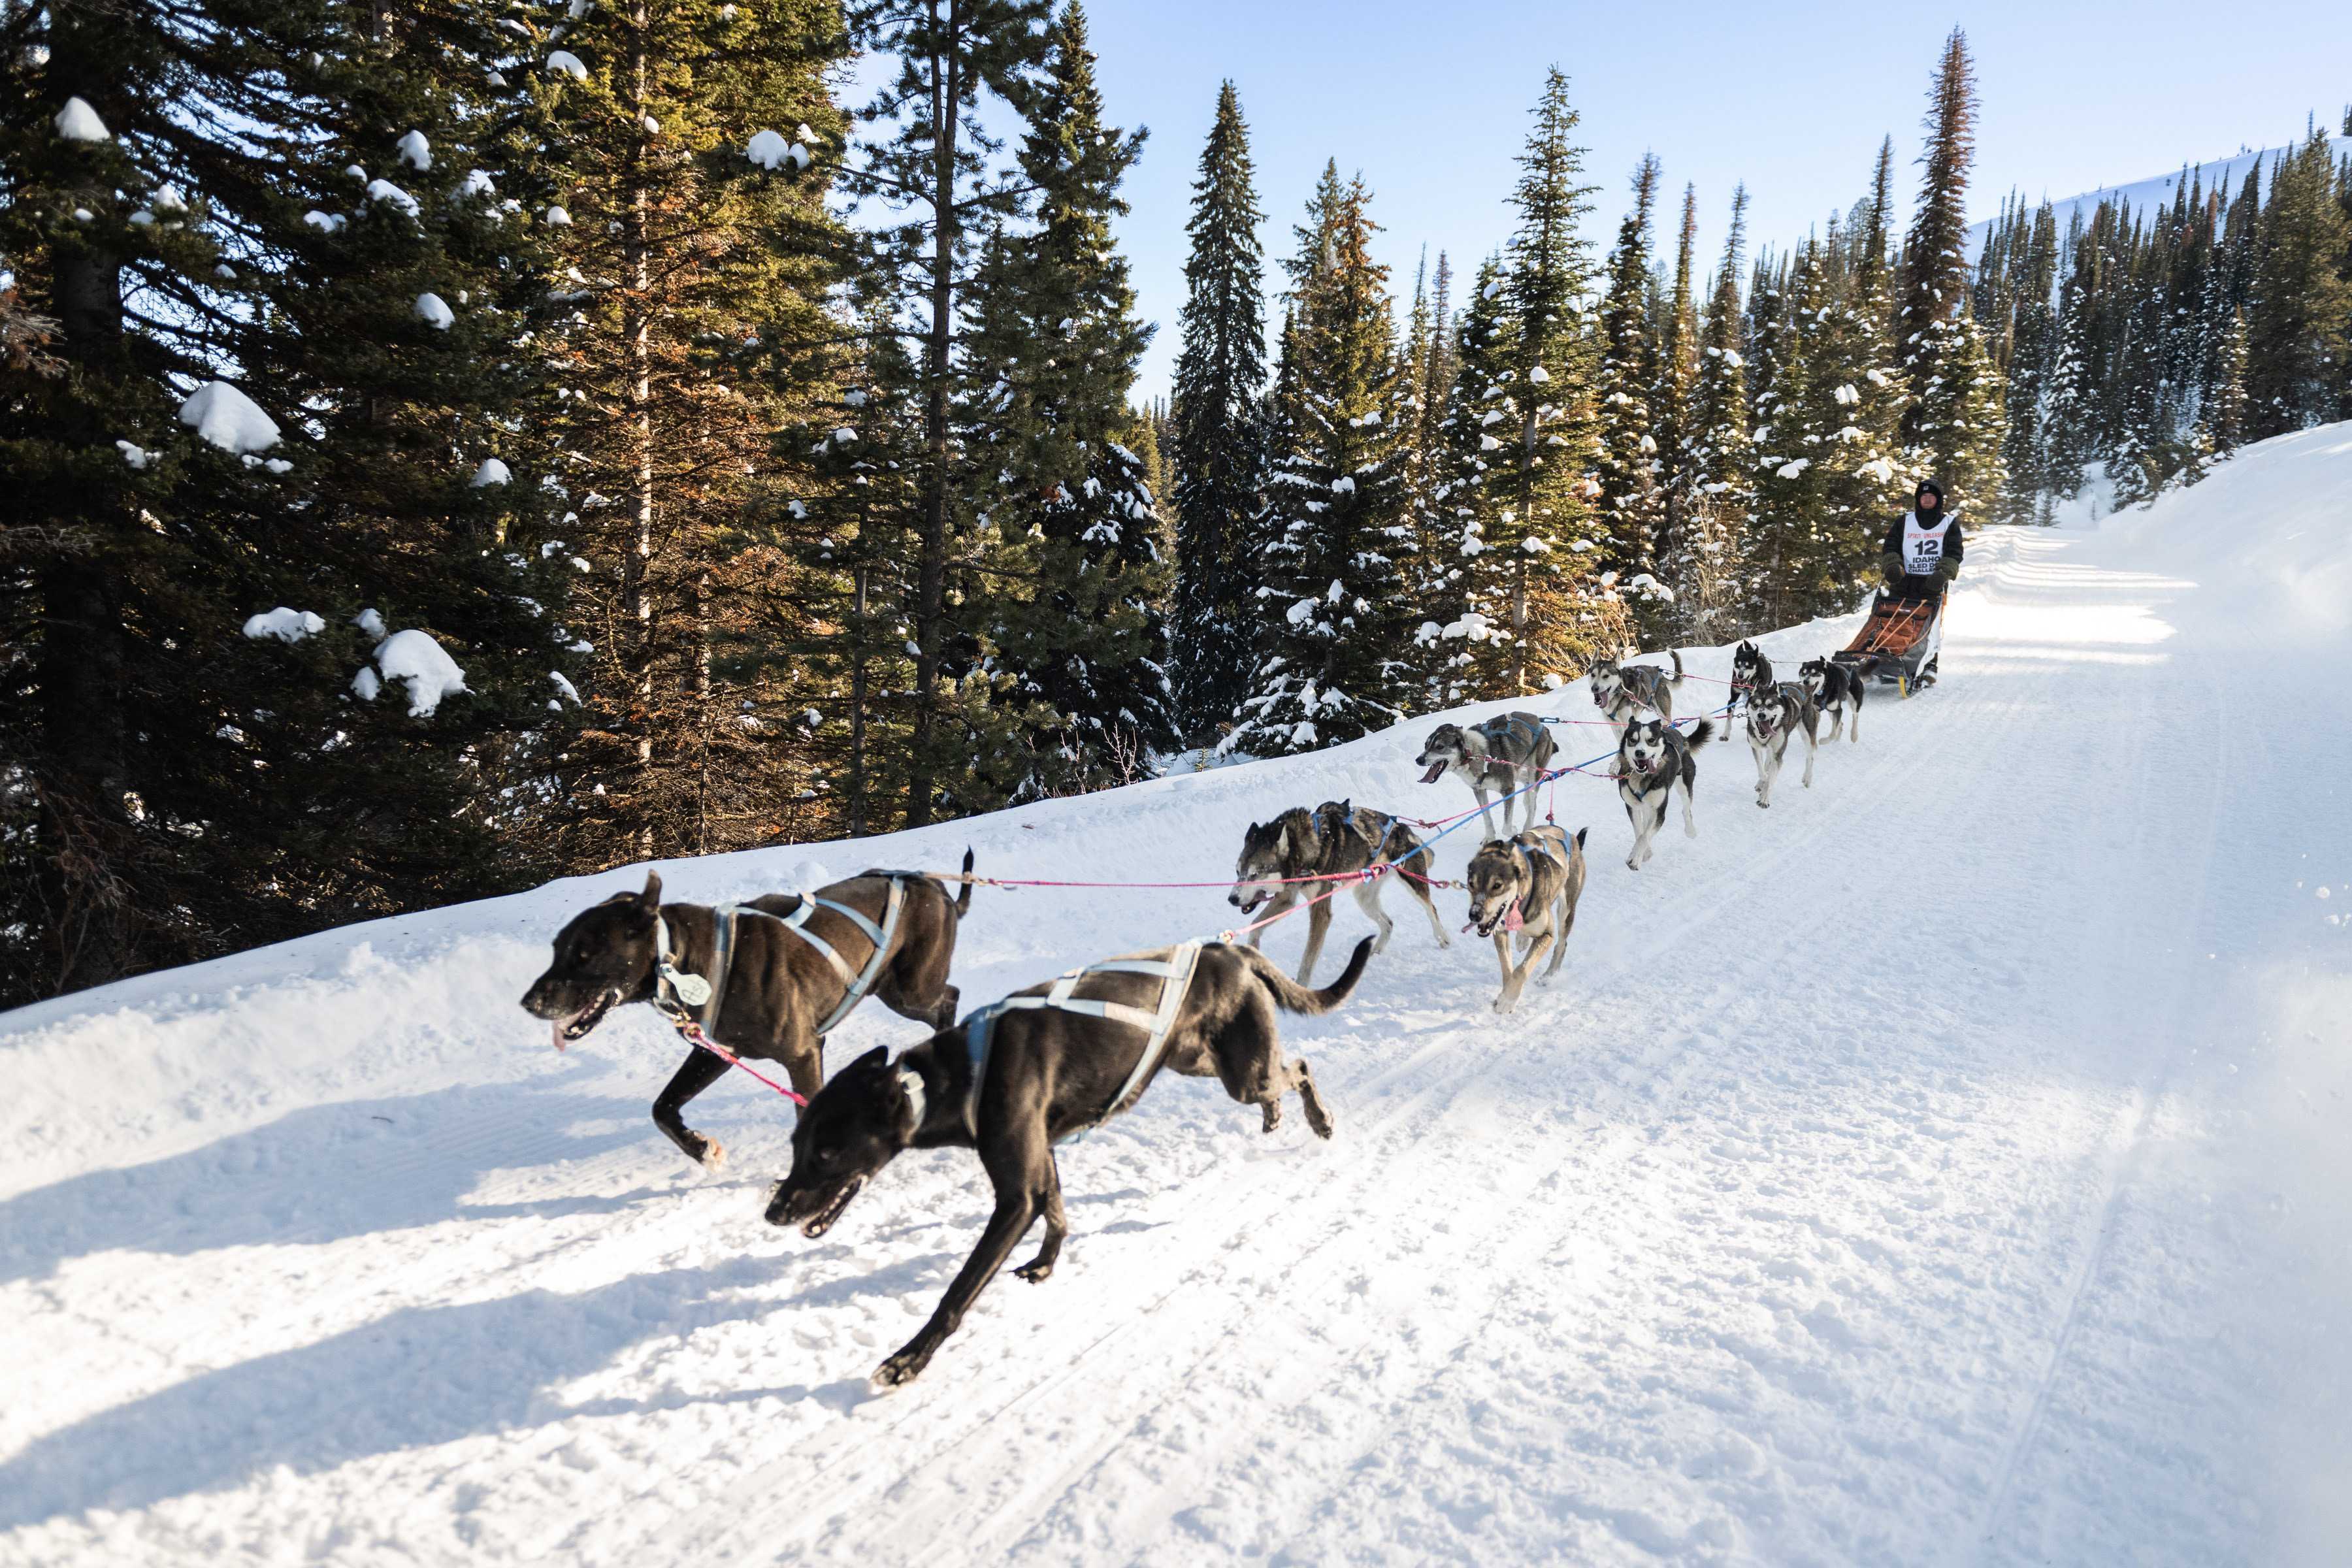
(692, 989)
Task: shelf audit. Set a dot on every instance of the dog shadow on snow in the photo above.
(327, 1174)
(419, 1377)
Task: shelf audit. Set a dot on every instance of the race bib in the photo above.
(1923, 548)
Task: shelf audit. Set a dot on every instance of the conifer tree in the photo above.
(1336, 611)
(199, 779)
(932, 166)
(2297, 332)
(1457, 633)
(1678, 352)
(1540, 525)
(1074, 620)
(1954, 427)
(1632, 503)
(1219, 449)
(1721, 449)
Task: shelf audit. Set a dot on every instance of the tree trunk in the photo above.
(857, 718)
(931, 584)
(637, 333)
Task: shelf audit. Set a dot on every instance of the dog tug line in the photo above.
(677, 993)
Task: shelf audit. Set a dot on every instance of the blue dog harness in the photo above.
(1175, 973)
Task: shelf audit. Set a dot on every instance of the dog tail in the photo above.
(1291, 996)
(1579, 837)
(1701, 733)
(963, 899)
(1676, 655)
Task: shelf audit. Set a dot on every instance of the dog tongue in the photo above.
(1436, 771)
(1512, 921)
(556, 1029)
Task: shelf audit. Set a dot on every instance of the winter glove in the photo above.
(1890, 566)
(1949, 570)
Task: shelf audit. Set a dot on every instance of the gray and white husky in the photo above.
(1525, 891)
(1834, 690)
(1334, 838)
(1775, 713)
(1620, 690)
(1652, 758)
(1505, 754)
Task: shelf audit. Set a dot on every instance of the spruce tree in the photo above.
(1954, 427)
(1540, 525)
(1219, 449)
(1678, 351)
(1075, 621)
(1632, 503)
(1720, 454)
(1457, 633)
(2298, 330)
(1336, 611)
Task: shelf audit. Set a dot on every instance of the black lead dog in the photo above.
(1015, 1077)
(766, 979)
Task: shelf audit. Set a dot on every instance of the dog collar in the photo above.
(692, 990)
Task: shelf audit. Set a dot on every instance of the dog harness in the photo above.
(695, 991)
(1502, 721)
(1175, 973)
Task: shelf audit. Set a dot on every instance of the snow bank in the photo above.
(229, 419)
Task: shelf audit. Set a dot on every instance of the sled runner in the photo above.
(1897, 644)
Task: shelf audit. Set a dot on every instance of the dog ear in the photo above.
(878, 1057)
(651, 897)
(1282, 841)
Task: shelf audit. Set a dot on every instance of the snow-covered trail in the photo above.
(1947, 1166)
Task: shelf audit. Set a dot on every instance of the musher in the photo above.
(1921, 558)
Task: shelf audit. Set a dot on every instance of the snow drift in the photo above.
(1946, 1164)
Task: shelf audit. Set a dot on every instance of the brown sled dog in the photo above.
(768, 979)
(1526, 888)
(1336, 837)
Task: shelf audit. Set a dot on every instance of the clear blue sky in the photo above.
(1430, 102)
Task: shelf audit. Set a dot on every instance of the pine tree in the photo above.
(1954, 427)
(2222, 420)
(1457, 633)
(1540, 525)
(937, 166)
(2298, 330)
(1219, 450)
(1678, 352)
(1080, 642)
(184, 788)
(1632, 504)
(2033, 346)
(1334, 608)
(1721, 449)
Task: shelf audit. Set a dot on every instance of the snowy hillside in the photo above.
(1948, 1165)
(2225, 175)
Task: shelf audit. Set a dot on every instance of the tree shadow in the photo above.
(414, 1379)
(323, 1174)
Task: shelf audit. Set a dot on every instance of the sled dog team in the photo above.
(769, 978)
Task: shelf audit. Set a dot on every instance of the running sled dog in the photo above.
(1654, 759)
(1526, 889)
(1506, 754)
(1332, 841)
(1622, 691)
(1835, 691)
(769, 978)
(1775, 713)
(1043, 1064)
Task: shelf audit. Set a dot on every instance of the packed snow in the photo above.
(1947, 1166)
(229, 419)
(415, 657)
(77, 121)
(285, 625)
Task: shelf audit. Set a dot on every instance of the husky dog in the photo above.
(1774, 713)
(1833, 688)
(1015, 1076)
(1526, 888)
(1620, 691)
(1336, 837)
(1507, 753)
(1653, 757)
(1751, 672)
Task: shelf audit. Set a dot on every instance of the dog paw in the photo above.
(901, 1368)
(714, 1154)
(1036, 1272)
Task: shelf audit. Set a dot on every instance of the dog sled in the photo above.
(1896, 646)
